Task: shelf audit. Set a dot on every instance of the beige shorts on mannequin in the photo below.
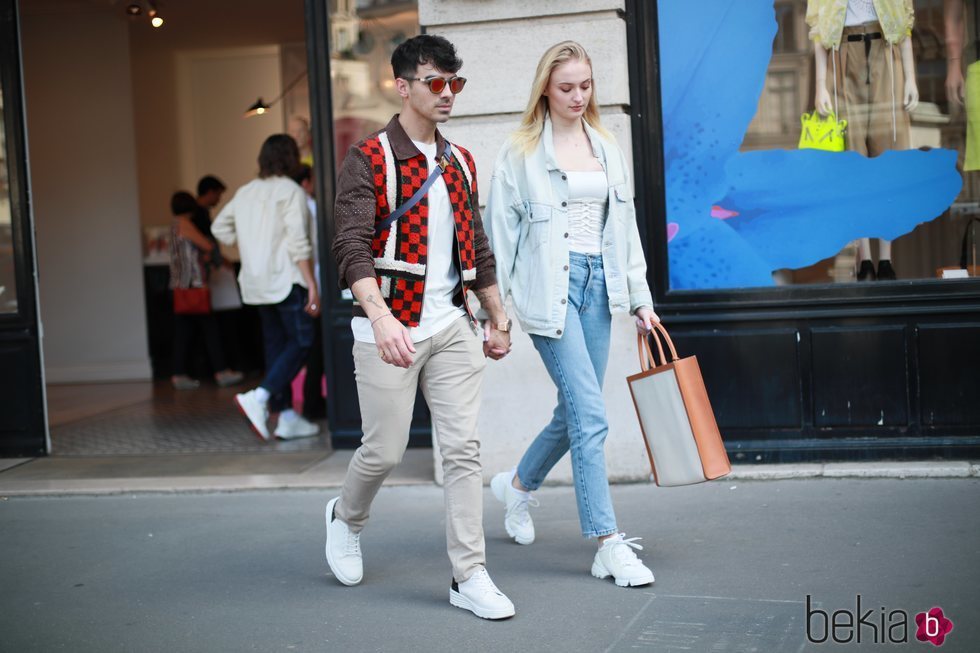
(449, 368)
(868, 105)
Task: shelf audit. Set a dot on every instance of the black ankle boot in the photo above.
(885, 270)
(867, 271)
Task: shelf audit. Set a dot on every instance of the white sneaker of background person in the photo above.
(480, 596)
(517, 520)
(615, 558)
(292, 425)
(343, 548)
(254, 405)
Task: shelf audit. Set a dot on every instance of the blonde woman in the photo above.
(562, 225)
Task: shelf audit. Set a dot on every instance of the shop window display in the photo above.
(747, 207)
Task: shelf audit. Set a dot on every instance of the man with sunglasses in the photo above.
(410, 244)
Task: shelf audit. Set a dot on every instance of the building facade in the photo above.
(754, 246)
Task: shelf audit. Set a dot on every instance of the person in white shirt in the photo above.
(269, 222)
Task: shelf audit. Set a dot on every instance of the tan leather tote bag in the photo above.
(678, 425)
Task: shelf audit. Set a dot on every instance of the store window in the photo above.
(363, 36)
(364, 33)
(8, 287)
(765, 183)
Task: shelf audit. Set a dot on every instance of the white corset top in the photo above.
(588, 194)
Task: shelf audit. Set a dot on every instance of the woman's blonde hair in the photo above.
(527, 136)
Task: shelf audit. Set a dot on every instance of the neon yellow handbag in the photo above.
(822, 133)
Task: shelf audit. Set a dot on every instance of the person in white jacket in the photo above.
(269, 221)
(562, 225)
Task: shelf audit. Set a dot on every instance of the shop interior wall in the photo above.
(85, 199)
(119, 116)
(192, 81)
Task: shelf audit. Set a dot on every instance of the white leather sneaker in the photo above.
(480, 596)
(256, 412)
(616, 558)
(343, 549)
(517, 520)
(298, 427)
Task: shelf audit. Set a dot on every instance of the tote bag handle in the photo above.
(647, 359)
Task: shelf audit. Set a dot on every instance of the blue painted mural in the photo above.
(735, 217)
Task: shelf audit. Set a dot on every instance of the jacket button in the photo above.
(558, 331)
(563, 301)
(566, 234)
(564, 177)
(564, 203)
(565, 268)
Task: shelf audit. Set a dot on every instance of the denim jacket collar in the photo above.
(548, 141)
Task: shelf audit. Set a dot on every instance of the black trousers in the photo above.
(184, 328)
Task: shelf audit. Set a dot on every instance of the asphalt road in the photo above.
(735, 562)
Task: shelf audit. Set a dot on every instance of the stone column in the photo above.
(500, 43)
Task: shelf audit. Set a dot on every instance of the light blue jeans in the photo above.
(577, 364)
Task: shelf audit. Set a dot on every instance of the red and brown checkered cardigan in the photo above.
(400, 252)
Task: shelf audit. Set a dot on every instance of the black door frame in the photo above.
(922, 320)
(23, 423)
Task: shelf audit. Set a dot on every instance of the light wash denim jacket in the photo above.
(526, 220)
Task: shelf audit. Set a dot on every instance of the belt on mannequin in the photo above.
(864, 36)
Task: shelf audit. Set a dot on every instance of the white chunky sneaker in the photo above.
(298, 427)
(517, 521)
(256, 412)
(616, 558)
(480, 596)
(343, 549)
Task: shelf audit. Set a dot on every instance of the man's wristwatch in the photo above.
(503, 327)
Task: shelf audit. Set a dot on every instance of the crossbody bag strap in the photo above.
(441, 165)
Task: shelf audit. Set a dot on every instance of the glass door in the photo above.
(22, 421)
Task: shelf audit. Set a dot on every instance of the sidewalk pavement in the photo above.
(735, 561)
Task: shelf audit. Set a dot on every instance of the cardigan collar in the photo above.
(401, 144)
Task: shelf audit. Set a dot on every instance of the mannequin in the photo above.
(874, 88)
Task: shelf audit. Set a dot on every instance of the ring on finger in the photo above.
(382, 354)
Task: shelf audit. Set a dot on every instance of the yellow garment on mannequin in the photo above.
(972, 159)
(826, 20)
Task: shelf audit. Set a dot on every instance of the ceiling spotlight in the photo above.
(156, 21)
(134, 9)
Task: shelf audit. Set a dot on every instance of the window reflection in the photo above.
(364, 34)
(8, 287)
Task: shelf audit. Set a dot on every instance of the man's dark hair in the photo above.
(279, 156)
(209, 183)
(424, 49)
(302, 173)
(182, 203)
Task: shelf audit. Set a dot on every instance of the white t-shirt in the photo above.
(860, 12)
(442, 277)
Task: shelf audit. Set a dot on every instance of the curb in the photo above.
(222, 484)
(894, 470)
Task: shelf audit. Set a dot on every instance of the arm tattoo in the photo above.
(371, 300)
(490, 299)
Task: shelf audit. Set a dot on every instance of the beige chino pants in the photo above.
(449, 367)
(872, 93)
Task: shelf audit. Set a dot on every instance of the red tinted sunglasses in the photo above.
(437, 84)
